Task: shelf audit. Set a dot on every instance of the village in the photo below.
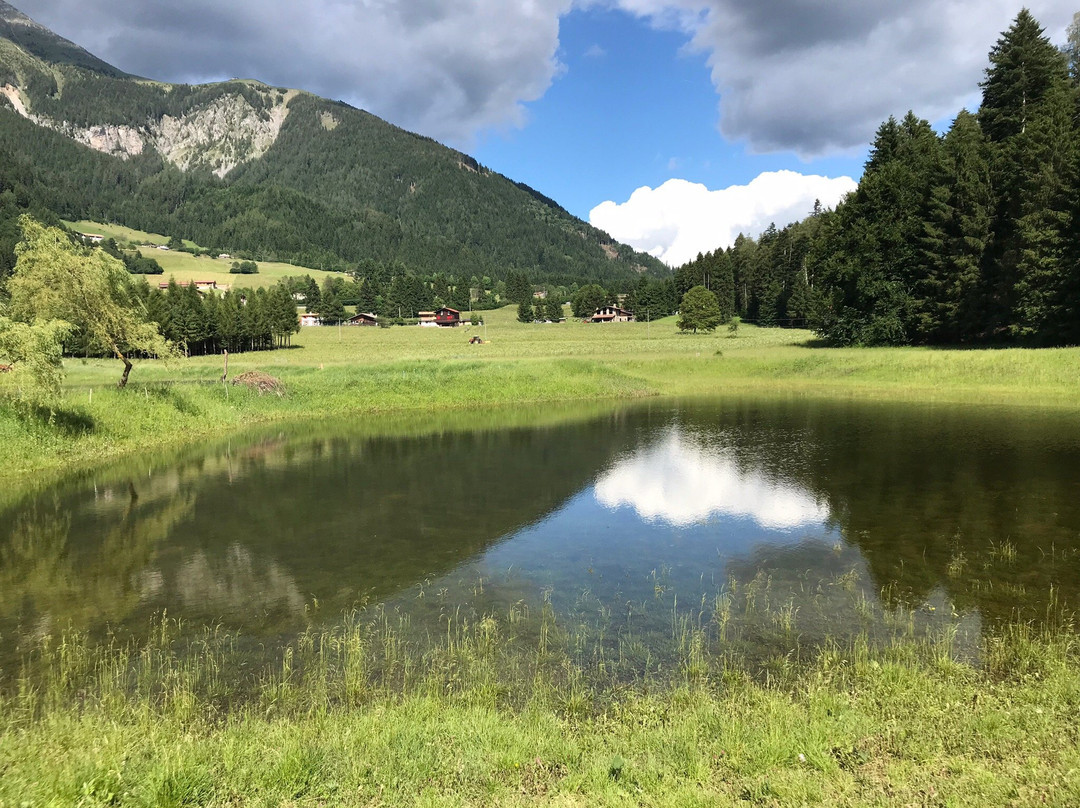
(447, 317)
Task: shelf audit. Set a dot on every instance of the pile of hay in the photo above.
(263, 382)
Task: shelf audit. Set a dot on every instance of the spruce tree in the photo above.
(876, 263)
(1043, 282)
(956, 232)
(525, 312)
(1024, 67)
(1025, 94)
(723, 284)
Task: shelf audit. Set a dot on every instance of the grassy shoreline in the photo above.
(369, 373)
(513, 710)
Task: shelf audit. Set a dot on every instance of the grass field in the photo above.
(364, 371)
(186, 267)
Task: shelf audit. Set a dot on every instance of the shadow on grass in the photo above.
(172, 395)
(71, 423)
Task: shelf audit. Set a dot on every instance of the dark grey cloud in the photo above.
(447, 68)
(817, 76)
(813, 76)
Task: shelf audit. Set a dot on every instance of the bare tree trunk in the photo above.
(225, 372)
(127, 370)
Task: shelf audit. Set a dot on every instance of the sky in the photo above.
(672, 124)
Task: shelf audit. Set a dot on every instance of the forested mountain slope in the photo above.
(273, 173)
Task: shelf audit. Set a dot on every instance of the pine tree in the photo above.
(525, 312)
(956, 232)
(1025, 93)
(876, 264)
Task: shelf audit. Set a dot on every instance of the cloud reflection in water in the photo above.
(681, 481)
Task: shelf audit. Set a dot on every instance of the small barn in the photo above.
(447, 317)
(427, 318)
(612, 314)
(362, 318)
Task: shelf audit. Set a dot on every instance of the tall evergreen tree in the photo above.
(876, 262)
(955, 237)
(1026, 93)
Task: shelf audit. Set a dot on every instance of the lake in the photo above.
(784, 522)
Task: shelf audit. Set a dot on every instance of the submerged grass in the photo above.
(519, 708)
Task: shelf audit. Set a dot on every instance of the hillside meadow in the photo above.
(186, 267)
(370, 371)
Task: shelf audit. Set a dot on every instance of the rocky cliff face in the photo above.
(218, 136)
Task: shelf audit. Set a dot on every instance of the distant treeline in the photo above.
(972, 237)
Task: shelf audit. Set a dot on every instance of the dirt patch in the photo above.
(263, 382)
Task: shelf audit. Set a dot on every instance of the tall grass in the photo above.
(520, 707)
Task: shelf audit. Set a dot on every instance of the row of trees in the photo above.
(970, 237)
(238, 320)
(540, 310)
(63, 297)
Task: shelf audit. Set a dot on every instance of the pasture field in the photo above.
(368, 371)
(186, 267)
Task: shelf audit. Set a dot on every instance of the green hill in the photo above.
(294, 177)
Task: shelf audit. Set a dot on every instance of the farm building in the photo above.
(310, 318)
(447, 316)
(362, 318)
(427, 318)
(201, 286)
(612, 314)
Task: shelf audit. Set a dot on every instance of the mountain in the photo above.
(271, 173)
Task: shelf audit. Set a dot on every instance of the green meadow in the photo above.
(186, 267)
(365, 372)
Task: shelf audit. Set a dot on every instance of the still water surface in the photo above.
(802, 519)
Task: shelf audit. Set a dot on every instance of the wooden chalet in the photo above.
(427, 318)
(362, 318)
(612, 314)
(201, 286)
(447, 317)
(310, 318)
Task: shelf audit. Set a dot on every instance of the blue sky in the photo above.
(672, 124)
(634, 106)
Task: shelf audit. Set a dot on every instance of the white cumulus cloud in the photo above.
(682, 482)
(679, 219)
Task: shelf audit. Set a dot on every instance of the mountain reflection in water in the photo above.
(824, 508)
